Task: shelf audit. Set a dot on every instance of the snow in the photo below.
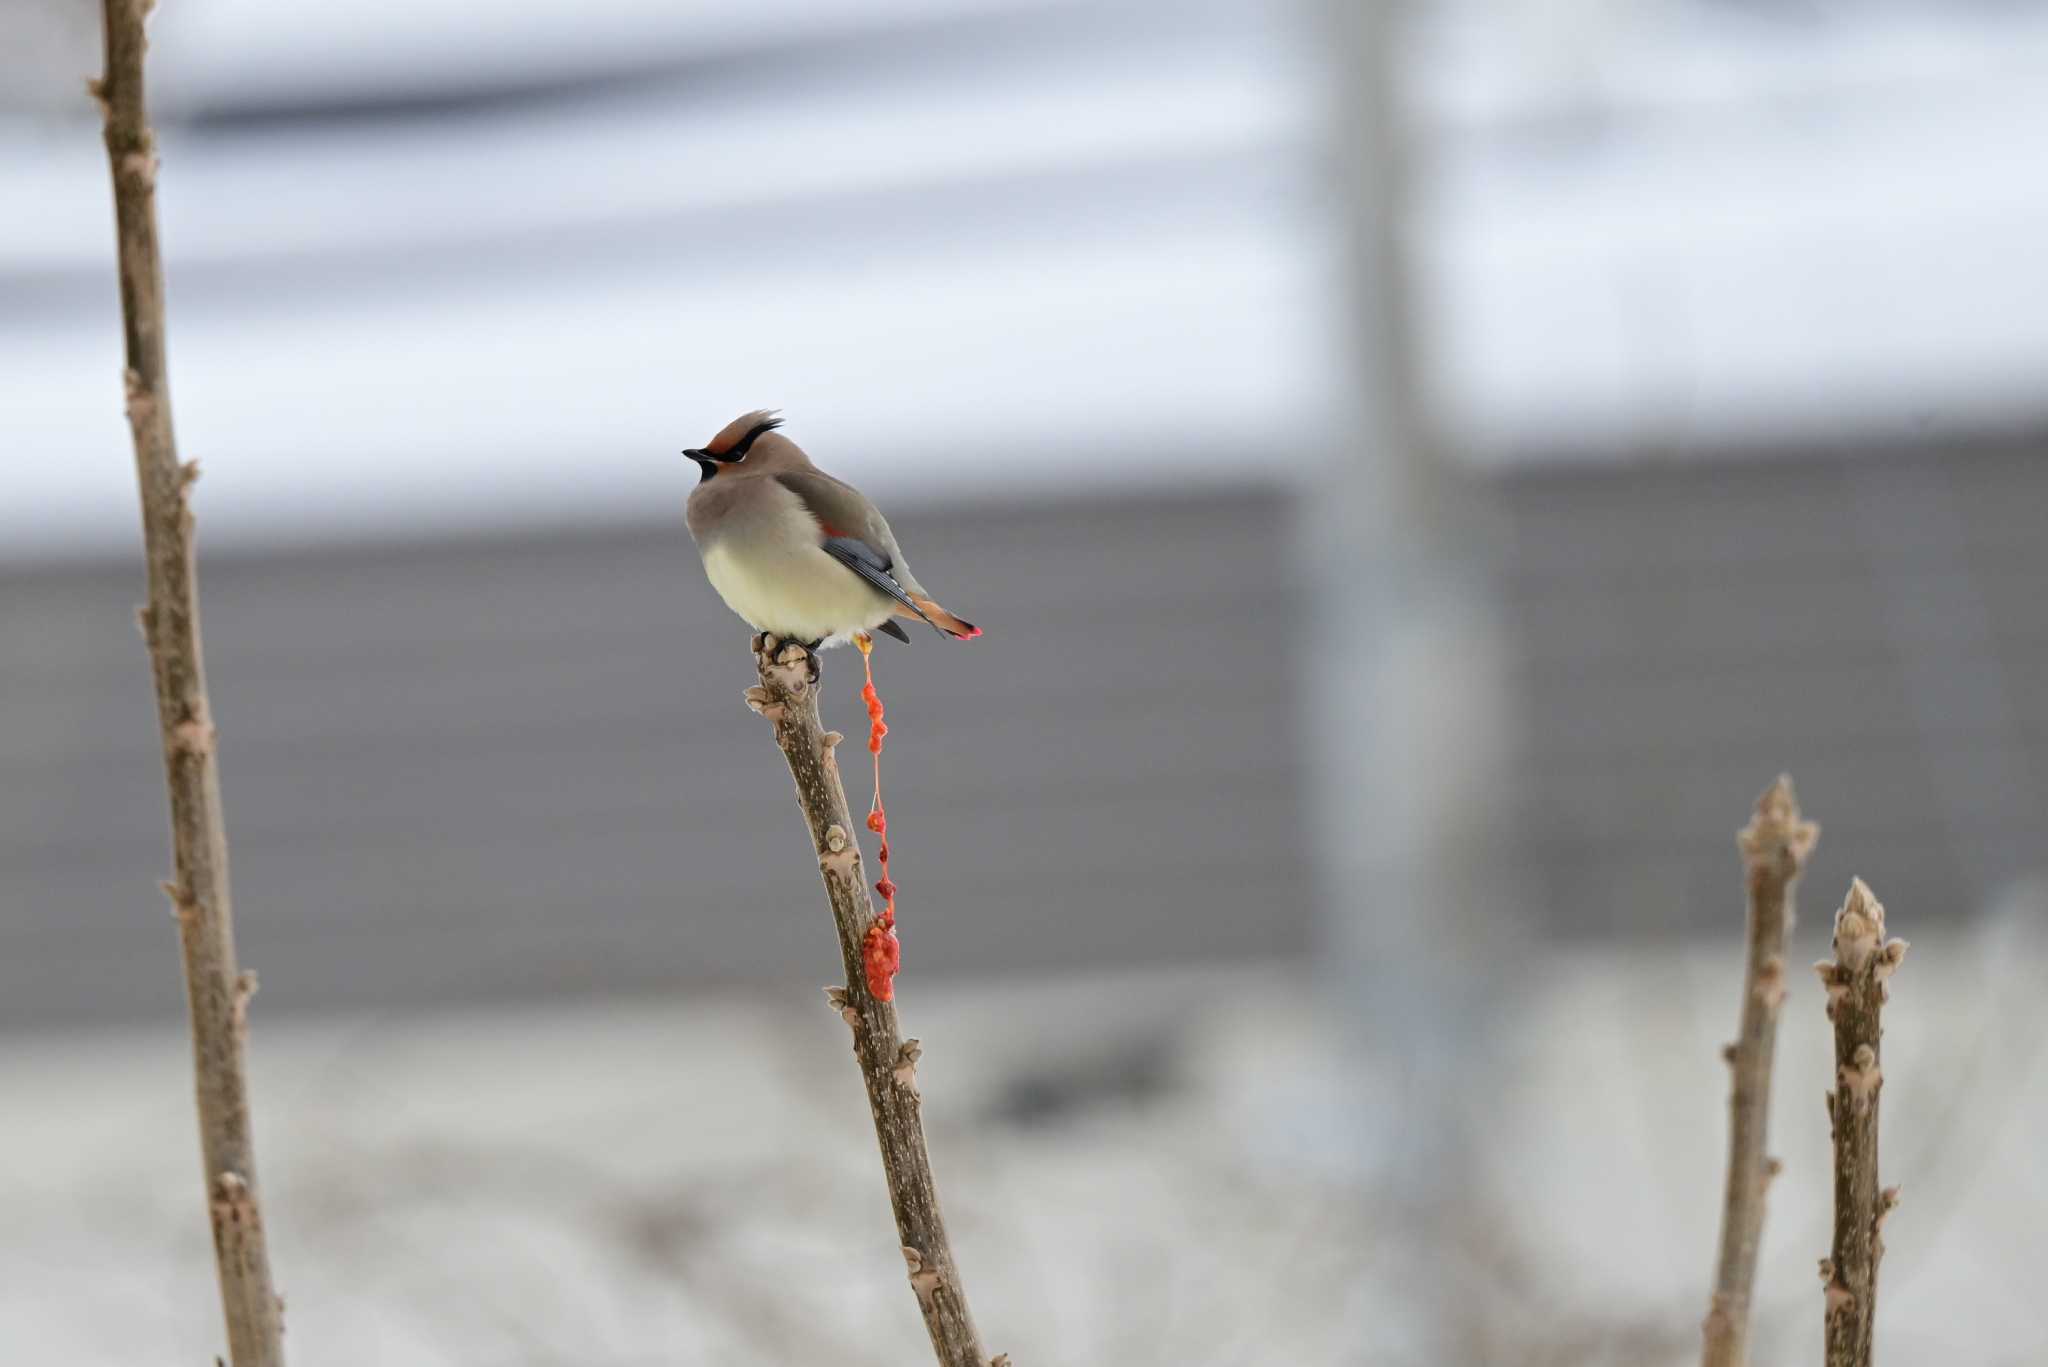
(971, 261)
(1138, 1169)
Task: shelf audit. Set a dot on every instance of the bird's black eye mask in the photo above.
(733, 455)
(746, 443)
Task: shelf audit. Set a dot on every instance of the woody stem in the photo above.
(216, 989)
(888, 1063)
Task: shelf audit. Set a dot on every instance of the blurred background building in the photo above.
(1708, 333)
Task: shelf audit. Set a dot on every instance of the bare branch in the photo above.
(216, 991)
(1864, 960)
(788, 696)
(1774, 848)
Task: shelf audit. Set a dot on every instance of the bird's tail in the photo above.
(942, 619)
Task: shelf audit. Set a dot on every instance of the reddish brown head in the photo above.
(739, 434)
(737, 440)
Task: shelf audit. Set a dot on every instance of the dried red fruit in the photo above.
(881, 952)
(882, 956)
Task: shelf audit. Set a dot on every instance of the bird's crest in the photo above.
(739, 434)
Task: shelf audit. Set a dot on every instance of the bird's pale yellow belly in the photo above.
(799, 592)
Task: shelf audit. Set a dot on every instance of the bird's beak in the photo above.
(706, 464)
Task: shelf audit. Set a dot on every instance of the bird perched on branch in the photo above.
(797, 553)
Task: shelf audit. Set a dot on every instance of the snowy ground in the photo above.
(1140, 1170)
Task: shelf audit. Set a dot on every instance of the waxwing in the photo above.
(796, 552)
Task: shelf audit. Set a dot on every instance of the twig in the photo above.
(1774, 847)
(788, 696)
(216, 991)
(1855, 980)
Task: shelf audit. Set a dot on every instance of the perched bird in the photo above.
(796, 552)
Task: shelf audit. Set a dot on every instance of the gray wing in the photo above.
(843, 510)
(857, 536)
(865, 561)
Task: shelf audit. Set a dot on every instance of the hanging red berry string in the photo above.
(881, 952)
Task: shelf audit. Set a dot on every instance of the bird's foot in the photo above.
(804, 652)
(789, 652)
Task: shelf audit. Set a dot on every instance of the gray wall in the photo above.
(1875, 626)
(522, 767)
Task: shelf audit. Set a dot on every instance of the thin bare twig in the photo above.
(1855, 981)
(788, 696)
(216, 991)
(1774, 847)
